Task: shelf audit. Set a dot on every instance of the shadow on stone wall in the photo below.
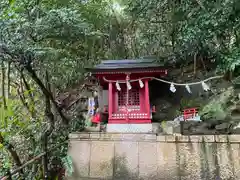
(76, 174)
(185, 157)
(121, 171)
(209, 166)
(215, 161)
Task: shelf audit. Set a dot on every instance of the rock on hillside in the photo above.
(169, 105)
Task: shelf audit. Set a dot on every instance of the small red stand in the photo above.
(96, 118)
(189, 113)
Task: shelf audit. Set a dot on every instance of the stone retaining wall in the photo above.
(147, 156)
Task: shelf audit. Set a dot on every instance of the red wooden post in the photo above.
(110, 99)
(154, 109)
(105, 109)
(114, 99)
(127, 99)
(147, 103)
(142, 99)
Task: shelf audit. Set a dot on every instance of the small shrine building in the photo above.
(124, 93)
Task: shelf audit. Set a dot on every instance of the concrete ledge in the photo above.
(154, 138)
(113, 136)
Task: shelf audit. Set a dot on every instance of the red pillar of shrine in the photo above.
(110, 99)
(147, 101)
(127, 115)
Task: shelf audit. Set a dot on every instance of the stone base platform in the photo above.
(129, 128)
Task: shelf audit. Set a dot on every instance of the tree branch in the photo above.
(49, 115)
(25, 61)
(3, 85)
(30, 94)
(12, 151)
(47, 94)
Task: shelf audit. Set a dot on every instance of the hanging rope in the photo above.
(165, 81)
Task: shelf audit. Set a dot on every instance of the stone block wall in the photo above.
(148, 156)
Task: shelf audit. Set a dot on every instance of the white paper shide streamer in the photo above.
(118, 86)
(205, 86)
(129, 85)
(141, 83)
(188, 88)
(172, 88)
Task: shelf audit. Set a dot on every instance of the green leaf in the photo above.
(68, 165)
(11, 2)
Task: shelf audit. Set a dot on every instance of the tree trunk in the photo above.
(195, 64)
(30, 95)
(203, 64)
(3, 85)
(8, 79)
(47, 93)
(6, 144)
(50, 117)
(45, 157)
(12, 151)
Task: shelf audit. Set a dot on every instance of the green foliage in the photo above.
(18, 128)
(231, 60)
(214, 111)
(180, 29)
(6, 162)
(68, 165)
(88, 121)
(188, 103)
(218, 108)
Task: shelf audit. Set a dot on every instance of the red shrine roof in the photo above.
(126, 64)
